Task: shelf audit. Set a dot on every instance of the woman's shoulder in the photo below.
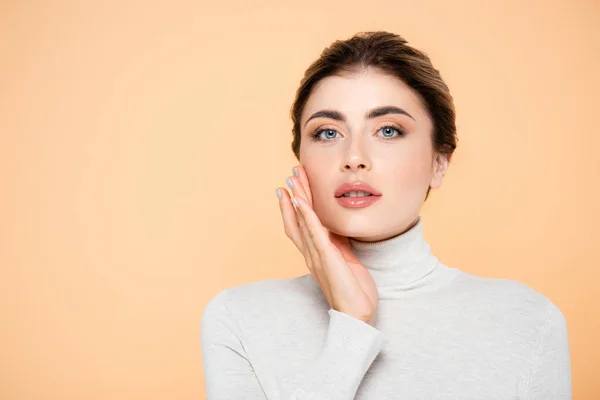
(509, 296)
(267, 294)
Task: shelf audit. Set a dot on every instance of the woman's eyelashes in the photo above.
(388, 133)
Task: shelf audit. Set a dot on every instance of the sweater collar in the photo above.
(403, 262)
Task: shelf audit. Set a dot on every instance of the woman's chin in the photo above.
(356, 230)
(354, 226)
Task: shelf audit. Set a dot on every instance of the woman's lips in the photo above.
(357, 202)
(355, 186)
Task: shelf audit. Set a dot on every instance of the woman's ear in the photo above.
(440, 166)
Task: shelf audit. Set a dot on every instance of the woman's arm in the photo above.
(349, 350)
(549, 377)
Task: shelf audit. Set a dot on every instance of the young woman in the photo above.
(379, 316)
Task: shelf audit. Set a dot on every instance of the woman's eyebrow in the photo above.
(374, 113)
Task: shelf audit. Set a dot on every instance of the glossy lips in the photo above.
(357, 202)
(355, 186)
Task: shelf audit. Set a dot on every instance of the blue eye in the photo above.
(390, 129)
(317, 134)
(388, 133)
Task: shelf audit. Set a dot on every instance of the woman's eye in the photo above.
(328, 134)
(388, 132)
(325, 135)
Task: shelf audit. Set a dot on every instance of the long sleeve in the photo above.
(550, 374)
(350, 348)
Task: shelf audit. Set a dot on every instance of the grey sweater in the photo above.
(440, 334)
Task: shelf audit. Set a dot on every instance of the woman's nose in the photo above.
(355, 166)
(355, 162)
(356, 156)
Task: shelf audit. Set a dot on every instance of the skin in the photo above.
(399, 162)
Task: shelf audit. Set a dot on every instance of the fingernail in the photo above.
(278, 193)
(289, 182)
(295, 202)
(295, 171)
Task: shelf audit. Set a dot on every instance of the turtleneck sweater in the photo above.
(440, 333)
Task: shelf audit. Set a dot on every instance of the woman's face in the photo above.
(391, 151)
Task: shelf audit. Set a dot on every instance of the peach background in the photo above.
(141, 143)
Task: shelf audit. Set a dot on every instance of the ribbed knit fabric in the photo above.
(440, 334)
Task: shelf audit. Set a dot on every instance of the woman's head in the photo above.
(373, 109)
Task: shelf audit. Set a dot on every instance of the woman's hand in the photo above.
(346, 283)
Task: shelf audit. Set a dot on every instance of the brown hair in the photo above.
(391, 54)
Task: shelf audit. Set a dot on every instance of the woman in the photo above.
(379, 316)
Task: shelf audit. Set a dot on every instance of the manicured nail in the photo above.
(295, 171)
(289, 182)
(278, 193)
(295, 202)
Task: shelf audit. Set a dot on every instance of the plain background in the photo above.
(141, 143)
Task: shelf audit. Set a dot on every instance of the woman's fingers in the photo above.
(295, 229)
(313, 228)
(297, 188)
(311, 254)
(303, 178)
(313, 258)
(290, 220)
(299, 193)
